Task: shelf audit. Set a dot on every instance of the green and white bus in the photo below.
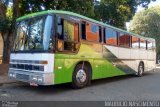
(55, 47)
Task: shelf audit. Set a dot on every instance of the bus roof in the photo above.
(79, 16)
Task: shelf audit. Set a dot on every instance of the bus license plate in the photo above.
(33, 84)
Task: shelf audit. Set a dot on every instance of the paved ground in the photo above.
(117, 88)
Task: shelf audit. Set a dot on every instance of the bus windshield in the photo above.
(34, 34)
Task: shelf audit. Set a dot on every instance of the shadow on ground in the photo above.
(55, 89)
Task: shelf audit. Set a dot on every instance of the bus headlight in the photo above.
(40, 79)
(34, 78)
(10, 74)
(14, 75)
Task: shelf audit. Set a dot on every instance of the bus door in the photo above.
(67, 44)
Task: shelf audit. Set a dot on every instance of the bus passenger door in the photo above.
(67, 44)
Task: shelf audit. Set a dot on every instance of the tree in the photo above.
(119, 11)
(115, 12)
(22, 7)
(147, 23)
(84, 7)
(7, 23)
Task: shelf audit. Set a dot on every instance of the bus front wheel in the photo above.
(80, 76)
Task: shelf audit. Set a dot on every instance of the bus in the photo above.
(54, 47)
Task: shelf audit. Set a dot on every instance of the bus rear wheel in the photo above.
(140, 69)
(80, 76)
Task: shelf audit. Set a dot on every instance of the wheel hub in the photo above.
(81, 76)
(141, 69)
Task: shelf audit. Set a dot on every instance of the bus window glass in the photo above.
(92, 32)
(110, 36)
(68, 31)
(94, 28)
(68, 35)
(100, 34)
(124, 40)
(21, 35)
(149, 45)
(153, 45)
(104, 36)
(142, 44)
(36, 33)
(47, 42)
(60, 28)
(83, 29)
(135, 42)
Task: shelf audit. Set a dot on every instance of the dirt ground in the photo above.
(3, 69)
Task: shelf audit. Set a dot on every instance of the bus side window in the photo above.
(60, 28)
(104, 36)
(142, 44)
(124, 40)
(68, 36)
(60, 34)
(100, 34)
(135, 42)
(83, 28)
(153, 45)
(111, 37)
(92, 32)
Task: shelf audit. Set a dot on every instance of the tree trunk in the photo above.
(15, 9)
(6, 53)
(8, 36)
(7, 45)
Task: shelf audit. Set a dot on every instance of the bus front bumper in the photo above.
(34, 78)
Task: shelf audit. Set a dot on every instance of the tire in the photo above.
(140, 69)
(80, 77)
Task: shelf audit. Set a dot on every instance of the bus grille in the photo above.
(27, 67)
(22, 77)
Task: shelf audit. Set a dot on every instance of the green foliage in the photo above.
(4, 25)
(79, 6)
(115, 11)
(6, 22)
(5, 16)
(119, 11)
(9, 13)
(147, 23)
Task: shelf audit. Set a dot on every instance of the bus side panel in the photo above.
(64, 67)
(101, 67)
(118, 58)
(66, 63)
(109, 63)
(104, 63)
(135, 58)
(91, 52)
(60, 72)
(151, 60)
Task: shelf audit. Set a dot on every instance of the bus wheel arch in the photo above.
(84, 67)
